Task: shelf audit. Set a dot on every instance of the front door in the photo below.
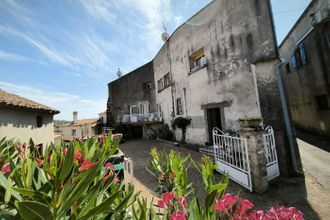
(213, 120)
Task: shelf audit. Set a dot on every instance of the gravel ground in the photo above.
(302, 192)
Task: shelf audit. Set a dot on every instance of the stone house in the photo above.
(132, 102)
(79, 128)
(23, 119)
(306, 71)
(216, 68)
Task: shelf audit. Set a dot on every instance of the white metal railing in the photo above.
(231, 155)
(128, 168)
(270, 153)
(147, 117)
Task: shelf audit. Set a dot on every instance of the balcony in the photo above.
(137, 118)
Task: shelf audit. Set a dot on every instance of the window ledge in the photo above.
(159, 91)
(196, 69)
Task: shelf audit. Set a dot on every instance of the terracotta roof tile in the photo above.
(81, 122)
(11, 100)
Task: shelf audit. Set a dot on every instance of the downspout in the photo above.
(287, 120)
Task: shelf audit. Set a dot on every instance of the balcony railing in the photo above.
(148, 117)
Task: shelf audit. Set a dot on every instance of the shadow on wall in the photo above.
(315, 140)
(26, 122)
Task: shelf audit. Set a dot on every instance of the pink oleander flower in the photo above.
(178, 215)
(161, 176)
(86, 165)
(161, 204)
(182, 201)
(105, 179)
(6, 168)
(65, 151)
(39, 161)
(167, 200)
(284, 213)
(219, 205)
(230, 200)
(109, 166)
(245, 205)
(116, 180)
(77, 155)
(168, 197)
(257, 215)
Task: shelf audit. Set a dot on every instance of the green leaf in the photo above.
(37, 195)
(102, 207)
(34, 210)
(8, 191)
(68, 164)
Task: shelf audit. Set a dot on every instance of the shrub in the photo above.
(66, 182)
(182, 123)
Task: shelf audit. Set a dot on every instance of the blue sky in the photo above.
(63, 53)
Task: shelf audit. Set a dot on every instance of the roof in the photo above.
(81, 122)
(305, 12)
(14, 101)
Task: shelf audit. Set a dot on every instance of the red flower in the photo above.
(230, 200)
(182, 201)
(78, 155)
(105, 179)
(161, 204)
(161, 176)
(116, 180)
(86, 165)
(179, 215)
(6, 168)
(168, 197)
(39, 161)
(109, 166)
(65, 151)
(245, 205)
(219, 205)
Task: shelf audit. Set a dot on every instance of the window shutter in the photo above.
(303, 54)
(294, 62)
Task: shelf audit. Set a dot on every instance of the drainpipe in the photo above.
(287, 120)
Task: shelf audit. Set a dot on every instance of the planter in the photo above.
(250, 122)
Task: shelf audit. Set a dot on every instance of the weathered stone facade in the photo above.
(216, 68)
(308, 86)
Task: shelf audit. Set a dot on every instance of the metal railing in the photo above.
(231, 156)
(147, 117)
(270, 153)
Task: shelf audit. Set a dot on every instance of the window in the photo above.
(134, 109)
(39, 121)
(160, 84)
(298, 58)
(322, 102)
(197, 59)
(73, 132)
(147, 85)
(287, 67)
(159, 109)
(179, 110)
(167, 80)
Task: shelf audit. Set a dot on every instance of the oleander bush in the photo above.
(75, 182)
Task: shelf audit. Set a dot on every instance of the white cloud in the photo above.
(65, 102)
(99, 9)
(12, 57)
(56, 57)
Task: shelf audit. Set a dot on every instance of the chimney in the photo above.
(75, 117)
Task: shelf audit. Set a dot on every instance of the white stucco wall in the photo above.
(233, 36)
(22, 125)
(81, 131)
